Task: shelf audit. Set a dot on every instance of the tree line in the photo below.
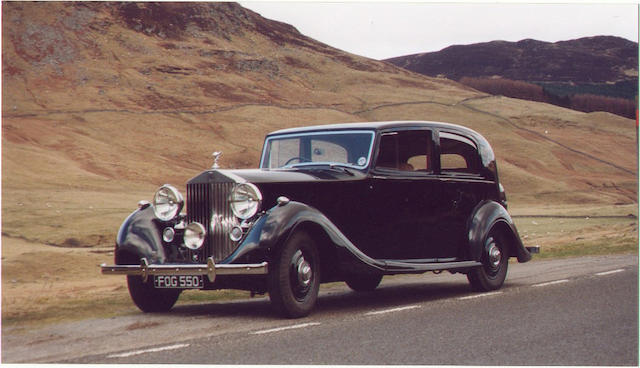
(529, 91)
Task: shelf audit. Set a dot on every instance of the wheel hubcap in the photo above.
(304, 272)
(301, 275)
(494, 256)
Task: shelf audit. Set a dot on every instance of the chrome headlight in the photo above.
(194, 235)
(167, 203)
(245, 200)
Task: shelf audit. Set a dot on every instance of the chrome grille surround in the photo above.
(208, 204)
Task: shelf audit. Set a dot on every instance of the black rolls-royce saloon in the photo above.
(348, 202)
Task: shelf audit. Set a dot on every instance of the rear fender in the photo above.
(486, 216)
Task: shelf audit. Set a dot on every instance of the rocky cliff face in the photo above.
(77, 55)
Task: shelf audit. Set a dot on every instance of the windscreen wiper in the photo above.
(341, 168)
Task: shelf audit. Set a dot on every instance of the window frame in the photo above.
(460, 138)
(431, 154)
(264, 164)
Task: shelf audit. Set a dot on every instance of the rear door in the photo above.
(462, 187)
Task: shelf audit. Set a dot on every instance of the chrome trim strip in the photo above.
(211, 269)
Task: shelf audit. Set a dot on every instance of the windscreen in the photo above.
(345, 148)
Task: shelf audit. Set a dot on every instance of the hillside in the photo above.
(587, 74)
(103, 102)
(601, 59)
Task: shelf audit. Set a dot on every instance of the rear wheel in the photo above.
(294, 279)
(363, 282)
(150, 299)
(495, 261)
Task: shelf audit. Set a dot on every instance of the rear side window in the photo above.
(458, 154)
(406, 151)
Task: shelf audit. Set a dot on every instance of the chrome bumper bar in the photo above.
(211, 269)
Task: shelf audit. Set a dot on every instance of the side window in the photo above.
(458, 154)
(405, 151)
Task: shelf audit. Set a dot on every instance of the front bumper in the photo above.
(211, 269)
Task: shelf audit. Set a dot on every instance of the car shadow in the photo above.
(390, 296)
(337, 298)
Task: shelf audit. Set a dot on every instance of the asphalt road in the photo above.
(581, 311)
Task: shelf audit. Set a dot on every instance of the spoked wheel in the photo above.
(294, 279)
(363, 283)
(150, 299)
(495, 261)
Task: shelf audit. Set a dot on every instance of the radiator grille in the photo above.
(207, 201)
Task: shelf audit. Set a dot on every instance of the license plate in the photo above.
(178, 281)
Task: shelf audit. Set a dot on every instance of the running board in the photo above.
(407, 267)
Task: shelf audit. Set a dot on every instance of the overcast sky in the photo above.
(382, 30)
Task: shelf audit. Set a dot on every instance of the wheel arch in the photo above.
(505, 230)
(488, 216)
(327, 249)
(337, 253)
(138, 237)
(127, 257)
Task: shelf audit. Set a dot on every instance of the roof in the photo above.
(379, 125)
(483, 145)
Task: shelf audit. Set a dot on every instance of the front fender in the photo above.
(273, 229)
(139, 236)
(486, 216)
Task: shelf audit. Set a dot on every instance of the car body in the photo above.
(346, 202)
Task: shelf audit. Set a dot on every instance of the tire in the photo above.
(149, 299)
(495, 262)
(363, 283)
(294, 279)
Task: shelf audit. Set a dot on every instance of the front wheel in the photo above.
(150, 299)
(495, 261)
(294, 279)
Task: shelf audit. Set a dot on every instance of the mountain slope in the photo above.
(598, 59)
(137, 55)
(103, 102)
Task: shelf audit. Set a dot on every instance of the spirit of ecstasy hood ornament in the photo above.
(216, 156)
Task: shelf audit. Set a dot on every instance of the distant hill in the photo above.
(588, 67)
(601, 59)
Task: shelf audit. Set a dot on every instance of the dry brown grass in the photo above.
(574, 230)
(44, 284)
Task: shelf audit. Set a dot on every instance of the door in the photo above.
(462, 188)
(404, 198)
